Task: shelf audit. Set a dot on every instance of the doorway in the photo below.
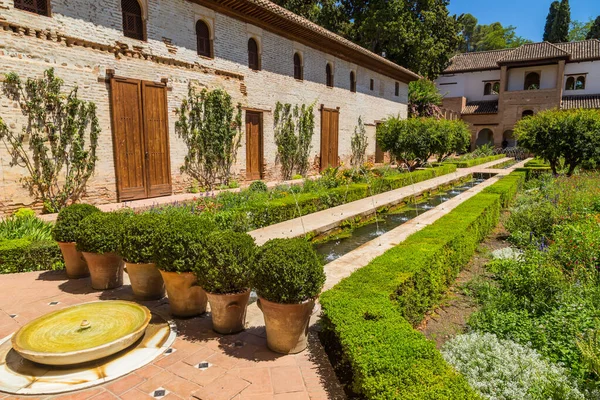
(254, 145)
(140, 138)
(329, 137)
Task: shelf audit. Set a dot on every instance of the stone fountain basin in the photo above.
(63, 338)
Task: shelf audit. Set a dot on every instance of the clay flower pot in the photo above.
(74, 262)
(146, 281)
(286, 325)
(106, 270)
(228, 311)
(185, 299)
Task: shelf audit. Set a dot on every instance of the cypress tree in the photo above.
(550, 20)
(561, 24)
(594, 32)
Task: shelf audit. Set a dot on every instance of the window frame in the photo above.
(352, 81)
(48, 8)
(329, 76)
(298, 74)
(209, 39)
(581, 79)
(258, 61)
(487, 89)
(539, 80)
(372, 84)
(143, 37)
(397, 89)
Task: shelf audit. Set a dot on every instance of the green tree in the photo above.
(561, 137)
(554, 6)
(495, 36)
(52, 144)
(560, 26)
(210, 126)
(579, 30)
(468, 23)
(594, 32)
(424, 99)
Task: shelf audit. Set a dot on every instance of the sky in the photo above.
(528, 16)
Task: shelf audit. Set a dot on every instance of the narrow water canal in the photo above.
(337, 247)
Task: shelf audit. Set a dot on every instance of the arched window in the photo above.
(329, 75)
(397, 90)
(133, 24)
(487, 89)
(253, 58)
(298, 73)
(485, 136)
(203, 39)
(526, 113)
(532, 81)
(35, 6)
(352, 82)
(496, 88)
(580, 83)
(570, 85)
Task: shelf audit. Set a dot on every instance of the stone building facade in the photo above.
(492, 90)
(87, 45)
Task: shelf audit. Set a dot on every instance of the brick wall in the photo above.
(82, 40)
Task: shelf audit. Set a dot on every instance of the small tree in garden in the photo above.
(52, 144)
(294, 128)
(210, 126)
(358, 144)
(449, 137)
(424, 99)
(563, 138)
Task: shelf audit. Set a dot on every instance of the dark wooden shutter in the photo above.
(133, 24)
(329, 137)
(126, 104)
(254, 145)
(156, 129)
(253, 61)
(203, 39)
(40, 7)
(298, 67)
(329, 75)
(333, 138)
(352, 82)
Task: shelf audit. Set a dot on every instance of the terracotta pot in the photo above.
(74, 262)
(106, 270)
(287, 325)
(146, 281)
(185, 299)
(228, 311)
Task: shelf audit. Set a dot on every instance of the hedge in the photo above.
(476, 161)
(24, 255)
(257, 214)
(368, 315)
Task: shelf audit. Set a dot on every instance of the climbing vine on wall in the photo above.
(359, 144)
(210, 126)
(53, 144)
(294, 127)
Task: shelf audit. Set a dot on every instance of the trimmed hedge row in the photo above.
(476, 161)
(368, 315)
(24, 255)
(258, 214)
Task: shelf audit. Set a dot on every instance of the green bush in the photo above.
(24, 225)
(475, 161)
(288, 271)
(258, 186)
(67, 222)
(23, 255)
(225, 263)
(100, 232)
(179, 241)
(137, 237)
(365, 315)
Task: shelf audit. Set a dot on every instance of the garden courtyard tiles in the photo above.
(200, 364)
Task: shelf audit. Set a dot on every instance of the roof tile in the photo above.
(580, 101)
(534, 52)
(481, 107)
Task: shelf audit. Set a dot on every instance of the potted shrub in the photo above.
(177, 249)
(64, 232)
(136, 243)
(98, 238)
(223, 271)
(288, 277)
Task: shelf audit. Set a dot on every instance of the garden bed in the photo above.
(369, 316)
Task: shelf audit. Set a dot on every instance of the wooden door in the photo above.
(254, 145)
(156, 134)
(128, 139)
(140, 138)
(329, 137)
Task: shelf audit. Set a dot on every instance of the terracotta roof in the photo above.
(585, 50)
(476, 61)
(534, 52)
(481, 107)
(270, 16)
(580, 101)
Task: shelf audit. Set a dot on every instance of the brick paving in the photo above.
(240, 366)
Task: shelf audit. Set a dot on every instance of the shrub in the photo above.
(137, 237)
(100, 232)
(288, 271)
(68, 220)
(258, 186)
(179, 241)
(296, 177)
(358, 143)
(23, 255)
(225, 263)
(504, 370)
(424, 99)
(23, 225)
(294, 128)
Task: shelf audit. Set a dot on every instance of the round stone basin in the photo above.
(82, 333)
